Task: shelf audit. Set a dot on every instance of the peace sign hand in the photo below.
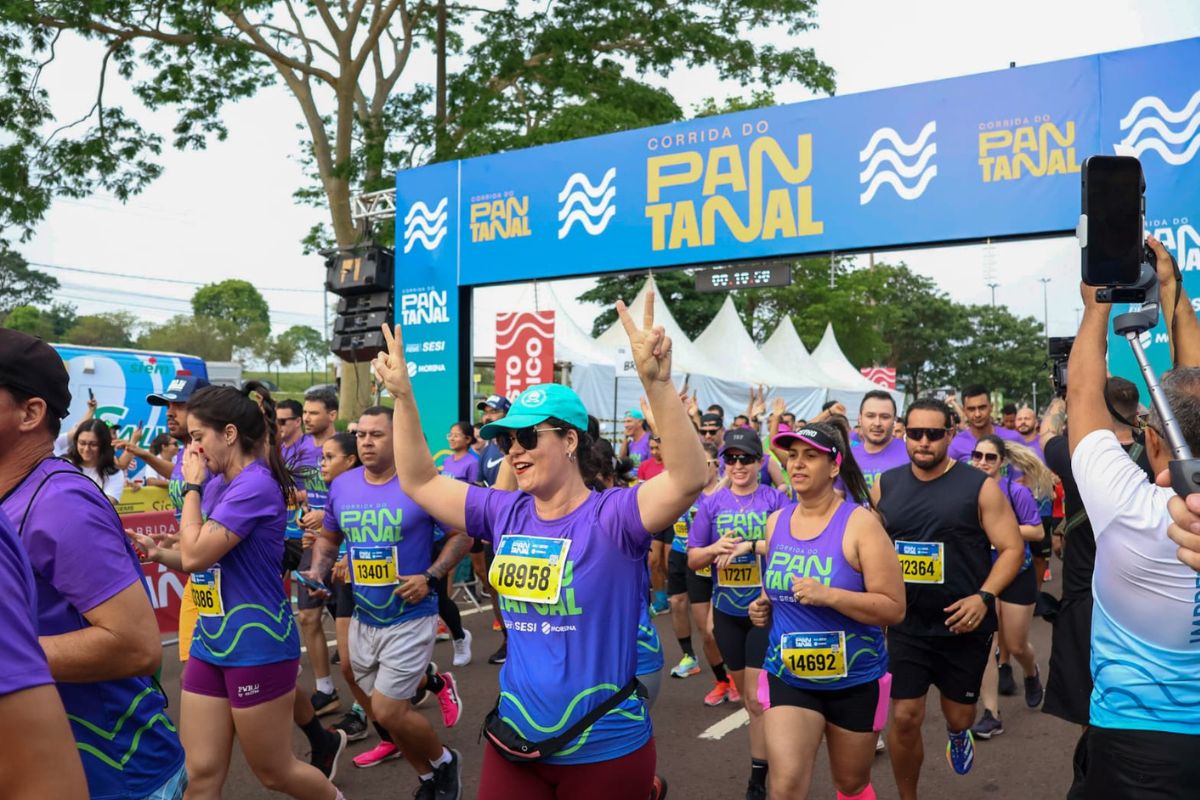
(649, 345)
(390, 366)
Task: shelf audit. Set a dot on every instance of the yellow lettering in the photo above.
(1003, 169)
(478, 210)
(656, 181)
(1024, 140)
(986, 163)
(658, 214)
(1058, 164)
(734, 177)
(684, 228)
(805, 224)
(778, 219)
(1063, 139)
(516, 207)
(1023, 158)
(994, 140)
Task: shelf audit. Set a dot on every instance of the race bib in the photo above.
(740, 574)
(922, 562)
(814, 655)
(705, 572)
(206, 593)
(374, 566)
(529, 568)
(681, 530)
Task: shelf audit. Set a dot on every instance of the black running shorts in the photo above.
(1140, 765)
(1023, 590)
(741, 643)
(853, 709)
(954, 664)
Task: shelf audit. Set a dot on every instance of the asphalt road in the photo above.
(1031, 760)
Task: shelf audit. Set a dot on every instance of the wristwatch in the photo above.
(429, 578)
(192, 487)
(988, 598)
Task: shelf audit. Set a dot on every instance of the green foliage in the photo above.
(31, 320)
(311, 347)
(21, 284)
(110, 329)
(691, 309)
(233, 301)
(212, 340)
(1002, 351)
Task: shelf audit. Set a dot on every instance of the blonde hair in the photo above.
(1038, 478)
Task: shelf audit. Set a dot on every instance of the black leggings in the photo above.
(448, 609)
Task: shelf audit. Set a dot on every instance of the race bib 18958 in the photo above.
(529, 568)
(922, 562)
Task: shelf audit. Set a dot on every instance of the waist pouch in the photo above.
(516, 748)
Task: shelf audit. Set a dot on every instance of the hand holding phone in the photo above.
(309, 583)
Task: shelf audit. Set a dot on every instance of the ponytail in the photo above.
(279, 470)
(850, 473)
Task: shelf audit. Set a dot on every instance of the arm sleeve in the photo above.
(1113, 487)
(243, 508)
(484, 508)
(620, 516)
(700, 534)
(24, 665)
(114, 485)
(473, 469)
(1025, 507)
(330, 520)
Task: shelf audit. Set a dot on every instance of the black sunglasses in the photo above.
(526, 437)
(932, 434)
(709, 431)
(977, 455)
(739, 458)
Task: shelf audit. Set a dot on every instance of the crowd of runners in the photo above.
(825, 574)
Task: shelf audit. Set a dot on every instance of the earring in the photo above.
(571, 456)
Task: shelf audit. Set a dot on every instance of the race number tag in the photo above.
(741, 573)
(705, 572)
(374, 566)
(206, 593)
(529, 568)
(681, 530)
(922, 562)
(814, 655)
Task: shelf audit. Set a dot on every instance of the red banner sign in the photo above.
(524, 351)
(884, 376)
(165, 585)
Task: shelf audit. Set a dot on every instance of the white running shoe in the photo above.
(462, 650)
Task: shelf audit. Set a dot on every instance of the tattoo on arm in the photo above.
(452, 552)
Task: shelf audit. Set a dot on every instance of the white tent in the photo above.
(789, 357)
(852, 384)
(685, 357)
(726, 341)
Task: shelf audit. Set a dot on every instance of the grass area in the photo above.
(291, 384)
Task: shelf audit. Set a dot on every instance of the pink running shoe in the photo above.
(449, 700)
(734, 695)
(384, 751)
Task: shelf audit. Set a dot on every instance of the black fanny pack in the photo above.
(516, 748)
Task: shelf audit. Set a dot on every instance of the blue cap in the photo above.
(178, 390)
(537, 404)
(497, 402)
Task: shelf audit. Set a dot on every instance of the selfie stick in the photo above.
(1184, 468)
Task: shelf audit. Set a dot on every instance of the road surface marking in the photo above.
(731, 723)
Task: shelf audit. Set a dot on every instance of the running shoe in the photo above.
(336, 658)
(325, 758)
(443, 633)
(686, 667)
(658, 609)
(501, 655)
(880, 745)
(1008, 686)
(735, 696)
(756, 791)
(325, 703)
(1033, 689)
(496, 626)
(719, 693)
(960, 751)
(449, 700)
(447, 779)
(1046, 576)
(354, 725)
(462, 650)
(987, 727)
(384, 751)
(659, 791)
(425, 791)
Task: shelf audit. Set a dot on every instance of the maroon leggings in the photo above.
(629, 777)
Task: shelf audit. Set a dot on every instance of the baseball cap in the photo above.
(634, 413)
(813, 437)
(537, 404)
(179, 390)
(496, 402)
(712, 419)
(742, 439)
(33, 367)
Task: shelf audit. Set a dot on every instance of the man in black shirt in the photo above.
(944, 518)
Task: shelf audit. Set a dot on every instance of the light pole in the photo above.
(1045, 310)
(993, 286)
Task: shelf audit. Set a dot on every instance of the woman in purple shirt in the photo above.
(832, 581)
(462, 463)
(570, 574)
(241, 677)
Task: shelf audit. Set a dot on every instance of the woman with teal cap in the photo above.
(570, 574)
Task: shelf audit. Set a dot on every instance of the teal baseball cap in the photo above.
(537, 404)
(634, 413)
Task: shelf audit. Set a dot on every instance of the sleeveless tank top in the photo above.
(937, 519)
(812, 647)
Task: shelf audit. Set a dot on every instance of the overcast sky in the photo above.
(227, 212)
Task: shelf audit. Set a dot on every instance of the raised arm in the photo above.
(442, 497)
(667, 495)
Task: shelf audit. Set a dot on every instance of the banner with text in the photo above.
(524, 351)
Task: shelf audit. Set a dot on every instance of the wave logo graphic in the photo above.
(590, 206)
(884, 376)
(885, 156)
(1171, 134)
(425, 226)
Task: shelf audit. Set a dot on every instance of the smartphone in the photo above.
(311, 584)
(1113, 208)
(91, 394)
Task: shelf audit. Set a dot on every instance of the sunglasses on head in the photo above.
(739, 458)
(978, 455)
(932, 434)
(526, 437)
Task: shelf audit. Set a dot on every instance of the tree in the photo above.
(280, 351)
(21, 284)
(310, 345)
(110, 329)
(692, 310)
(1004, 352)
(212, 340)
(31, 320)
(233, 301)
(536, 74)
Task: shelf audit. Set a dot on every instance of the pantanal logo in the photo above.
(760, 212)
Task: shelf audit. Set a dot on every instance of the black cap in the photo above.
(179, 390)
(32, 367)
(743, 439)
(712, 419)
